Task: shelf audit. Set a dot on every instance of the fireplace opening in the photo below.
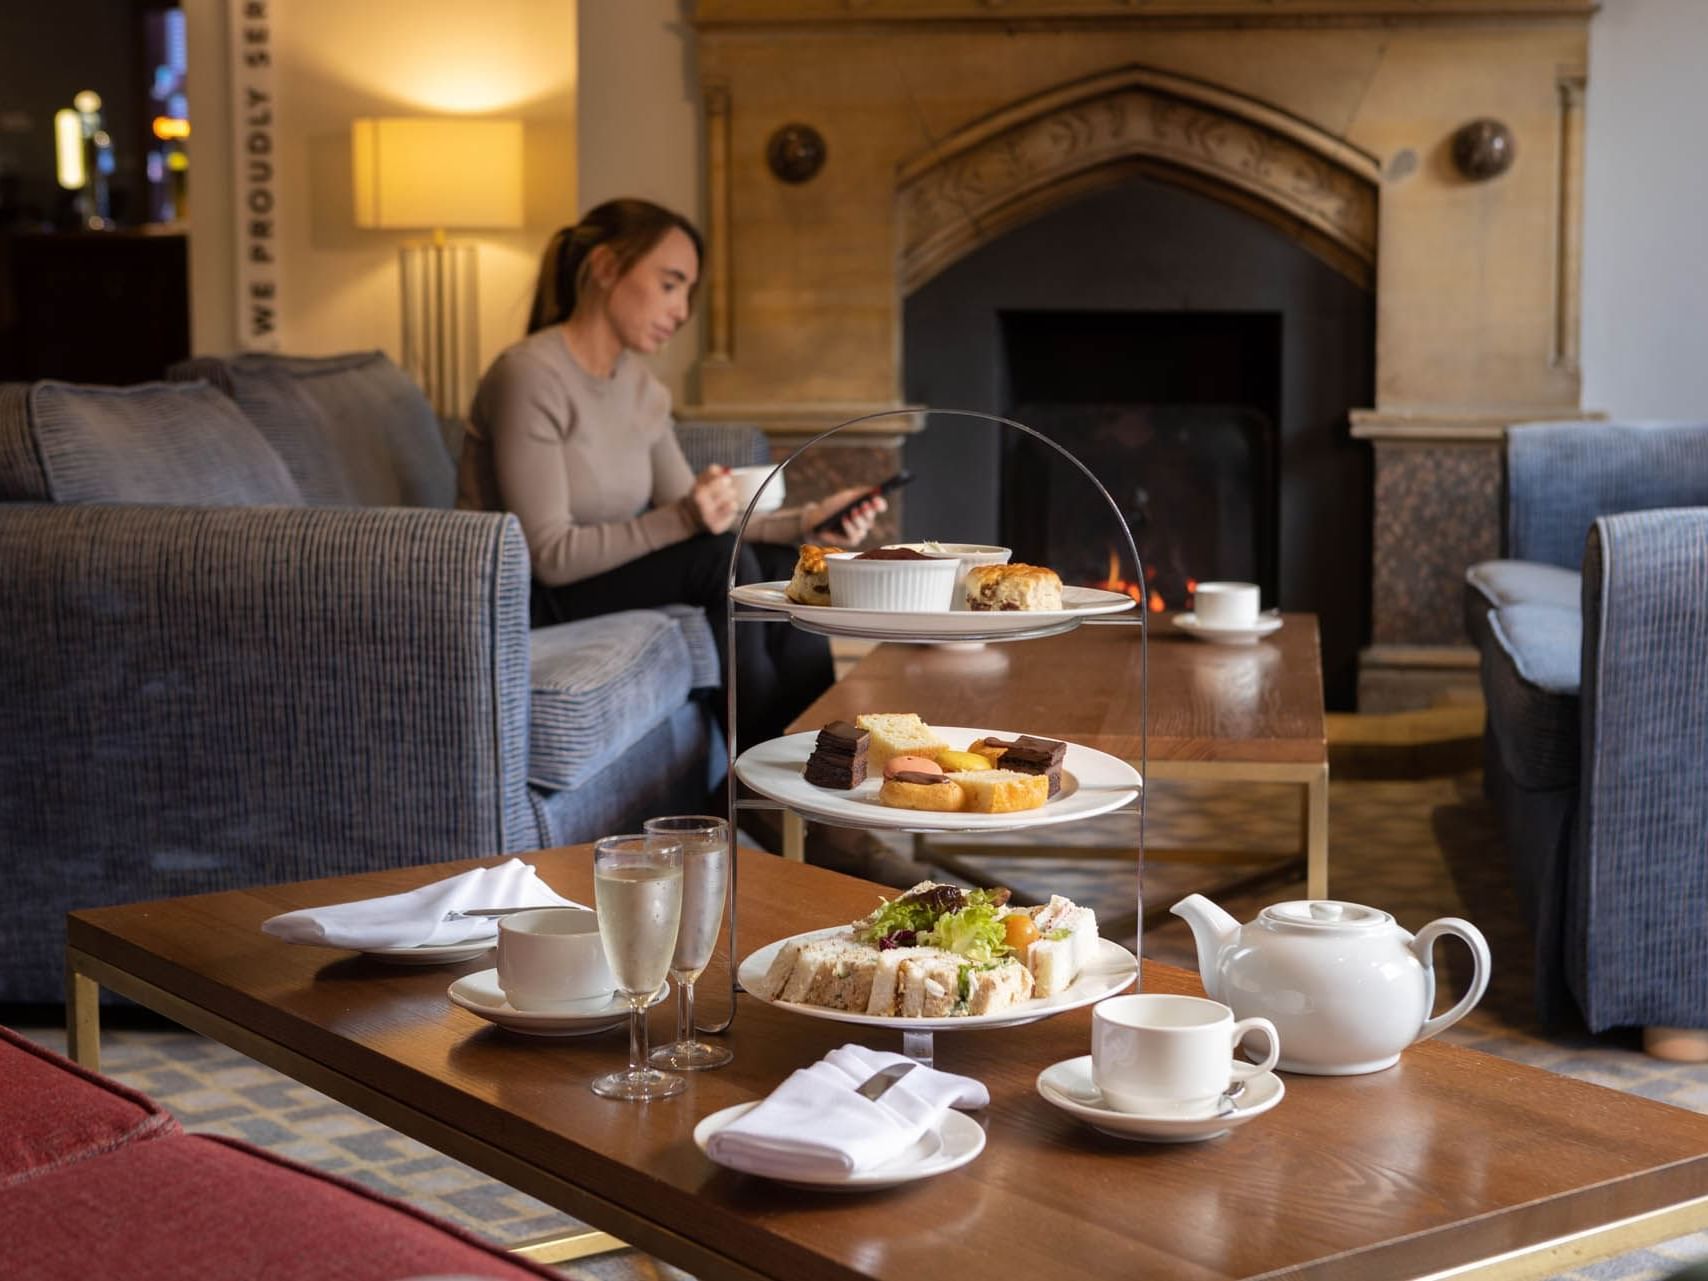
(1175, 413)
(1205, 334)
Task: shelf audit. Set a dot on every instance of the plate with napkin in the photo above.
(422, 926)
(814, 1131)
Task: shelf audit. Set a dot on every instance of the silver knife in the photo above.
(875, 1085)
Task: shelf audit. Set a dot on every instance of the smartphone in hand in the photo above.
(833, 522)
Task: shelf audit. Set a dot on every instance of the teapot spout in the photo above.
(1212, 930)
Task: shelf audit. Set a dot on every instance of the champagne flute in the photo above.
(637, 887)
(705, 881)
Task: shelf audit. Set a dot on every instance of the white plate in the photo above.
(1112, 969)
(956, 1140)
(480, 994)
(1267, 622)
(1078, 604)
(1093, 782)
(434, 954)
(1069, 1086)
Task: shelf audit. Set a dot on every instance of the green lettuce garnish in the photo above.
(960, 921)
(975, 931)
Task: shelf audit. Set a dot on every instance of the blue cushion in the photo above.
(600, 685)
(1525, 582)
(178, 443)
(1530, 677)
(726, 444)
(353, 428)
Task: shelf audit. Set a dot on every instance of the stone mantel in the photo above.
(945, 124)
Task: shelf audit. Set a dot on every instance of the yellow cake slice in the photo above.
(1001, 791)
(897, 734)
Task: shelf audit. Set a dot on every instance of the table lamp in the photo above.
(434, 174)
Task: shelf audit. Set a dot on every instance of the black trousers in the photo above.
(779, 668)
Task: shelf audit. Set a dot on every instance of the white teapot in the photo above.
(1345, 986)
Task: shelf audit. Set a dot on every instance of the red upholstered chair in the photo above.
(54, 1113)
(197, 1208)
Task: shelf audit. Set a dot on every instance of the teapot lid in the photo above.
(1325, 914)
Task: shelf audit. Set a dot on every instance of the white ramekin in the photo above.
(969, 554)
(900, 586)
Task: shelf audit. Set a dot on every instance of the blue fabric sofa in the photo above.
(1593, 636)
(248, 641)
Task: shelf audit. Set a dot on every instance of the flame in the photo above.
(1146, 595)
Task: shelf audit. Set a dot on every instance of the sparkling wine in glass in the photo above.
(705, 882)
(637, 888)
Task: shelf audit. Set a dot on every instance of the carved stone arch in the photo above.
(1065, 143)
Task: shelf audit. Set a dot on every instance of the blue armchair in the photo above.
(1593, 637)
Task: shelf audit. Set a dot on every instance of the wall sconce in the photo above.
(433, 174)
(1482, 149)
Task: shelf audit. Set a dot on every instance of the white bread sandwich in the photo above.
(811, 582)
(1013, 587)
(1001, 791)
(885, 998)
(835, 973)
(897, 734)
(1066, 943)
(943, 985)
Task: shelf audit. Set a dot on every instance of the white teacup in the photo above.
(1225, 604)
(749, 480)
(1160, 1052)
(550, 961)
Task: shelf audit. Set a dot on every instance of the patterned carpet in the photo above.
(1420, 849)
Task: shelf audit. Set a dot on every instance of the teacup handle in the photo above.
(1422, 947)
(1245, 1071)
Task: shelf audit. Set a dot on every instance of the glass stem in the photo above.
(637, 1035)
(685, 1011)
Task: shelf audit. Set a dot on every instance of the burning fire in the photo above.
(1149, 597)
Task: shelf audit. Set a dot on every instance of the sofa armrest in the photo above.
(1561, 476)
(1640, 890)
(205, 698)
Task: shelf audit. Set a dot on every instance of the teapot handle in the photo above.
(1422, 947)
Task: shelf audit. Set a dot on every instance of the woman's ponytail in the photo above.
(630, 227)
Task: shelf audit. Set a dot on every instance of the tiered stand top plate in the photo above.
(1079, 604)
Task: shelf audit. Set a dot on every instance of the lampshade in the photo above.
(444, 171)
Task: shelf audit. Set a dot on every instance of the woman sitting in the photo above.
(572, 433)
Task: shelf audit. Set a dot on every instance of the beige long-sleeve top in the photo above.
(590, 465)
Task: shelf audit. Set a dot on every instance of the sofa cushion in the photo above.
(193, 1208)
(54, 1113)
(600, 685)
(1526, 582)
(354, 430)
(1530, 677)
(179, 443)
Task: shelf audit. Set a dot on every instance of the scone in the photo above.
(1013, 587)
(811, 583)
(1001, 791)
(897, 734)
(909, 791)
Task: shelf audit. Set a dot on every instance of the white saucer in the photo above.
(1267, 622)
(1068, 1085)
(436, 954)
(480, 994)
(956, 1140)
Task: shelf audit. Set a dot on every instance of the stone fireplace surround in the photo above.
(947, 123)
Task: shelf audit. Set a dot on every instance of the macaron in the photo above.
(911, 765)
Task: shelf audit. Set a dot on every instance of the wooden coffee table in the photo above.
(1245, 713)
(1449, 1160)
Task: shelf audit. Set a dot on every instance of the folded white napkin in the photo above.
(417, 918)
(815, 1126)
